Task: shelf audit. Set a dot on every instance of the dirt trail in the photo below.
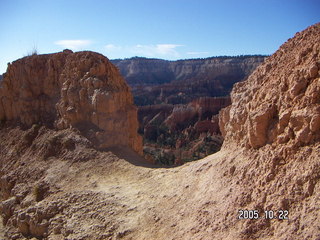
(146, 195)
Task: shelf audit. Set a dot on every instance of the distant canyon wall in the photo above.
(155, 81)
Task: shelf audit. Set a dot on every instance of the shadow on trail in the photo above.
(135, 159)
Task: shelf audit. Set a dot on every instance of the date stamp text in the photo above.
(267, 214)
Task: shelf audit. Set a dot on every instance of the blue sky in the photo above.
(168, 29)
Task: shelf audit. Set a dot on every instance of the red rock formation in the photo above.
(147, 113)
(184, 129)
(208, 126)
(182, 116)
(198, 110)
(83, 90)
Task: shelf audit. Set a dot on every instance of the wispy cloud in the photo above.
(168, 51)
(73, 44)
(158, 50)
(112, 47)
(197, 53)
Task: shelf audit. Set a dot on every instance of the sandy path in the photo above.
(148, 194)
(149, 202)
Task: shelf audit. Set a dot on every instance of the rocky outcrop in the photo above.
(81, 90)
(157, 81)
(272, 137)
(279, 103)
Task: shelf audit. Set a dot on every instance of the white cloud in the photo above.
(167, 51)
(197, 53)
(73, 44)
(112, 47)
(158, 50)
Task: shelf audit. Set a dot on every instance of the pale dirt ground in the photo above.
(123, 197)
(193, 201)
(157, 203)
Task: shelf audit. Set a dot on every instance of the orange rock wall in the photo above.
(279, 103)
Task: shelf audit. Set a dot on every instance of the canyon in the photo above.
(178, 102)
(174, 134)
(57, 182)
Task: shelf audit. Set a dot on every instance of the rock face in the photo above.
(279, 103)
(83, 90)
(272, 137)
(155, 81)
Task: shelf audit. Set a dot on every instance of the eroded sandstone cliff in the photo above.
(83, 90)
(279, 104)
(273, 126)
